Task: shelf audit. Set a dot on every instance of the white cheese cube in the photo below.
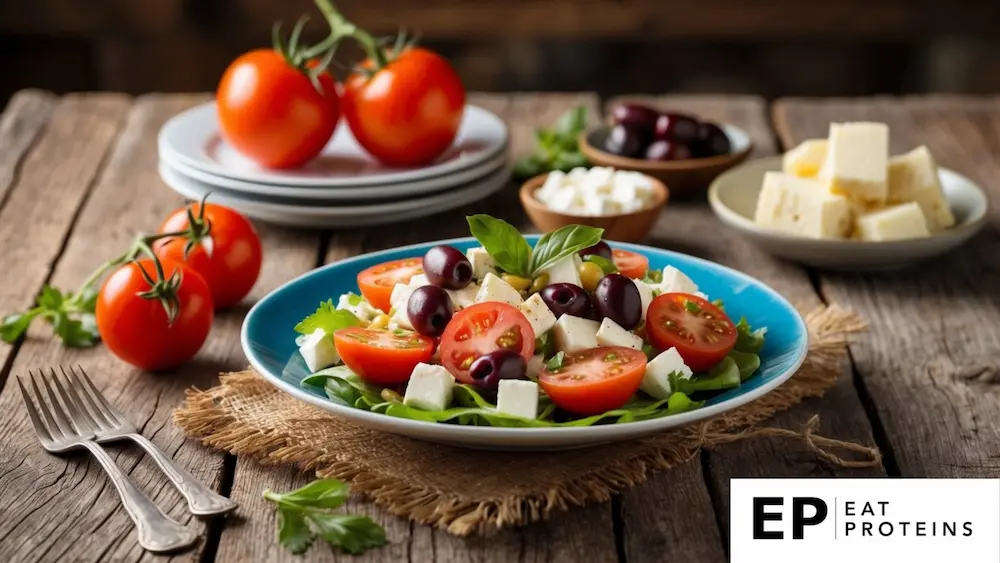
(806, 159)
(566, 200)
(702, 295)
(419, 280)
(573, 334)
(400, 319)
(904, 221)
(535, 365)
(601, 205)
(914, 177)
(318, 351)
(802, 207)
(495, 289)
(625, 189)
(564, 271)
(576, 175)
(518, 397)
(645, 295)
(538, 314)
(674, 281)
(430, 388)
(857, 158)
(656, 381)
(553, 182)
(481, 261)
(597, 180)
(612, 334)
(362, 309)
(465, 297)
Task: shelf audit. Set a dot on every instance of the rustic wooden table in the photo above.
(78, 179)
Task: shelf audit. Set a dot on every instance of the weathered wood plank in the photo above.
(21, 122)
(934, 327)
(691, 227)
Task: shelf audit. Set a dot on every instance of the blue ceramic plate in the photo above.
(268, 339)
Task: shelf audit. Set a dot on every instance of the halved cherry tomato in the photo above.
(700, 331)
(595, 380)
(376, 282)
(629, 263)
(481, 329)
(382, 356)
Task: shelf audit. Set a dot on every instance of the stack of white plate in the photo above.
(343, 186)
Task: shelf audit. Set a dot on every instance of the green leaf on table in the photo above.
(560, 243)
(606, 266)
(322, 493)
(328, 318)
(50, 298)
(529, 167)
(13, 326)
(747, 339)
(556, 148)
(293, 530)
(568, 160)
(78, 332)
(354, 533)
(503, 242)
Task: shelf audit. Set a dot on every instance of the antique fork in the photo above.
(67, 428)
(111, 425)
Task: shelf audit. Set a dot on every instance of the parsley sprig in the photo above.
(556, 148)
(306, 513)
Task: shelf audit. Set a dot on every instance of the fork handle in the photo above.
(202, 500)
(157, 532)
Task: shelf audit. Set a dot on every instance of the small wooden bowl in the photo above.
(624, 227)
(685, 177)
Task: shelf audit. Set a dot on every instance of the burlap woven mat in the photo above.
(467, 491)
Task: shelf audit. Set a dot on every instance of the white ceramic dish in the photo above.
(317, 216)
(733, 197)
(192, 138)
(345, 194)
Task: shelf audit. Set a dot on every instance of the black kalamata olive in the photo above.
(639, 118)
(429, 310)
(712, 141)
(446, 266)
(663, 150)
(623, 141)
(676, 127)
(489, 369)
(600, 249)
(567, 299)
(617, 298)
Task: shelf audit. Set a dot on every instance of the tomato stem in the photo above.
(341, 28)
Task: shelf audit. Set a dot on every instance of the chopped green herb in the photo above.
(556, 363)
(692, 307)
(354, 299)
(327, 318)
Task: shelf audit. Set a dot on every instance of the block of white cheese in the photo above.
(899, 222)
(538, 314)
(563, 271)
(400, 319)
(419, 280)
(914, 177)
(611, 333)
(518, 397)
(495, 289)
(430, 388)
(482, 262)
(573, 334)
(800, 206)
(318, 350)
(465, 297)
(358, 306)
(401, 295)
(806, 159)
(675, 281)
(857, 159)
(656, 381)
(645, 295)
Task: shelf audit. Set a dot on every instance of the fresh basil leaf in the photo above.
(13, 326)
(328, 318)
(606, 266)
(748, 340)
(546, 140)
(568, 160)
(354, 533)
(293, 531)
(572, 123)
(724, 375)
(559, 244)
(503, 242)
(322, 493)
(746, 362)
(556, 363)
(529, 167)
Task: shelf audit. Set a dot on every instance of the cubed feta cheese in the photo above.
(518, 397)
(535, 365)
(538, 314)
(573, 334)
(625, 189)
(802, 207)
(564, 271)
(806, 159)
(566, 200)
(857, 159)
(612, 334)
(555, 180)
(674, 281)
(904, 221)
(430, 388)
(914, 177)
(601, 205)
(318, 351)
(495, 289)
(400, 295)
(400, 319)
(465, 297)
(597, 180)
(362, 309)
(481, 261)
(645, 295)
(656, 381)
(419, 280)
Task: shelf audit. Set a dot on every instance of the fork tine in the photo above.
(58, 411)
(80, 418)
(55, 430)
(40, 429)
(107, 410)
(84, 401)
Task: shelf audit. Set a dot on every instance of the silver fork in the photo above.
(66, 428)
(111, 425)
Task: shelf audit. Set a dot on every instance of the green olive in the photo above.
(390, 396)
(517, 282)
(590, 274)
(539, 283)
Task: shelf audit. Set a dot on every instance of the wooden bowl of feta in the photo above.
(626, 204)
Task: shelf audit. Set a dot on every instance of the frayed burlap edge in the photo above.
(201, 416)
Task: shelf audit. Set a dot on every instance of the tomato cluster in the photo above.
(281, 106)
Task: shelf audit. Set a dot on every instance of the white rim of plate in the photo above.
(412, 188)
(183, 139)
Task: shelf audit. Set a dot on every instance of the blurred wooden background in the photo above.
(768, 47)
